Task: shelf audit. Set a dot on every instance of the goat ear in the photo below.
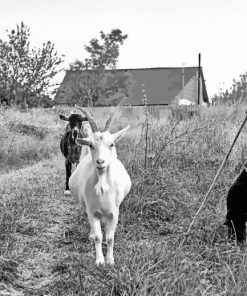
(63, 117)
(83, 141)
(118, 135)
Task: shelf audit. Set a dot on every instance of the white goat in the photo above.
(100, 182)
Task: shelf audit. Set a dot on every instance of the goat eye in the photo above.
(112, 145)
(91, 146)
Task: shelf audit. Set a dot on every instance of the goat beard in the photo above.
(102, 186)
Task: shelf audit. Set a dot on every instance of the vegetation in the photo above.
(44, 245)
(27, 138)
(96, 80)
(26, 73)
(236, 94)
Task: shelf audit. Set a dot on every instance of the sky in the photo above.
(161, 33)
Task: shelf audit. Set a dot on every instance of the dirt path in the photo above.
(43, 231)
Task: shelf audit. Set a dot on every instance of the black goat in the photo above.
(68, 146)
(236, 216)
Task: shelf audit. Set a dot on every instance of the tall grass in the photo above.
(27, 137)
(44, 246)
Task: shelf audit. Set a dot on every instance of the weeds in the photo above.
(44, 245)
(27, 138)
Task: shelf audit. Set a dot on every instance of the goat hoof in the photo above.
(66, 192)
(100, 261)
(110, 261)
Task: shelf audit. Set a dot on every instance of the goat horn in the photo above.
(111, 117)
(91, 121)
(83, 141)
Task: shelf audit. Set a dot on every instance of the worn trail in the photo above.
(40, 229)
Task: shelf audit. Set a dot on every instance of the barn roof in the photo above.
(163, 86)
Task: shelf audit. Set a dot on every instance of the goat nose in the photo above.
(100, 161)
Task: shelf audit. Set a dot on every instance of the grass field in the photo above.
(44, 244)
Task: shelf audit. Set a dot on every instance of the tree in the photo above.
(236, 94)
(97, 79)
(26, 71)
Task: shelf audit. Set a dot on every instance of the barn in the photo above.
(163, 86)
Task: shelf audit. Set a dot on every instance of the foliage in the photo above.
(236, 94)
(97, 77)
(26, 71)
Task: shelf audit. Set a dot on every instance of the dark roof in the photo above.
(162, 85)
